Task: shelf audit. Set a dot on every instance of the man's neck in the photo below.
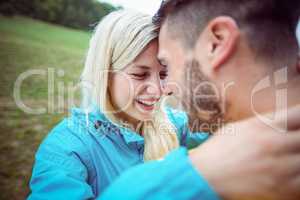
(269, 100)
(293, 92)
(277, 98)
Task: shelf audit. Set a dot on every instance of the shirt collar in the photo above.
(95, 115)
(131, 136)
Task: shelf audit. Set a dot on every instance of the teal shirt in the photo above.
(85, 155)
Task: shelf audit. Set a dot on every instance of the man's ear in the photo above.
(222, 35)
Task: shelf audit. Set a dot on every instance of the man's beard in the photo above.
(200, 100)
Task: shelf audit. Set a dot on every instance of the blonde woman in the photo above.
(122, 122)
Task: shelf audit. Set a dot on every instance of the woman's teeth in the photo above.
(146, 103)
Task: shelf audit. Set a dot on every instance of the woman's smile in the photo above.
(147, 104)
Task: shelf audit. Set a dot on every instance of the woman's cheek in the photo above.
(127, 93)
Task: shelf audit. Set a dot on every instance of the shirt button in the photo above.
(98, 123)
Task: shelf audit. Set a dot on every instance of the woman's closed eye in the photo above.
(140, 76)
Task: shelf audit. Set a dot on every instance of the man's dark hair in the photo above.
(269, 25)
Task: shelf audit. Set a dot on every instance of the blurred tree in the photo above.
(79, 14)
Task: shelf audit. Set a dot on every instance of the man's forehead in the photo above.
(163, 44)
(167, 44)
(164, 35)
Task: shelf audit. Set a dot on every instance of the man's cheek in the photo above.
(298, 63)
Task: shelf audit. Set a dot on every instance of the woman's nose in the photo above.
(154, 89)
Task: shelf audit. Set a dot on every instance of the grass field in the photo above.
(25, 45)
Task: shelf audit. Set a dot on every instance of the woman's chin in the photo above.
(144, 116)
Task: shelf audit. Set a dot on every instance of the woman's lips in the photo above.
(146, 105)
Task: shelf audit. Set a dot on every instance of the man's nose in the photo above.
(167, 90)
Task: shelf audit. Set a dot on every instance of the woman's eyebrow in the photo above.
(142, 66)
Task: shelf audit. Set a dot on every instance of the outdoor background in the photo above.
(42, 34)
(47, 35)
(37, 35)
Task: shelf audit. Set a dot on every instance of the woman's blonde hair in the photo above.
(118, 39)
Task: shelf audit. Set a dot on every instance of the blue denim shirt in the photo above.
(84, 154)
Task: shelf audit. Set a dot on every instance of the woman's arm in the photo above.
(61, 173)
(172, 178)
(57, 176)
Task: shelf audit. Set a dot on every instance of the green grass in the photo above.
(28, 44)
